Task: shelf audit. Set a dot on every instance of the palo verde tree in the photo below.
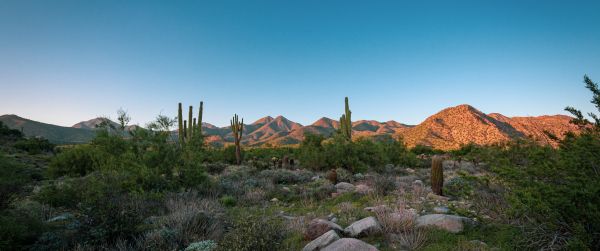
(237, 127)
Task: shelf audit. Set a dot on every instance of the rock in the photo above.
(450, 223)
(380, 208)
(441, 210)
(274, 200)
(433, 196)
(478, 243)
(344, 187)
(318, 227)
(410, 170)
(321, 242)
(359, 176)
(417, 183)
(287, 189)
(330, 216)
(334, 220)
(62, 217)
(363, 227)
(407, 179)
(315, 178)
(363, 189)
(349, 244)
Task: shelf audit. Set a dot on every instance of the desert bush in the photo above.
(228, 201)
(383, 185)
(77, 161)
(285, 176)
(34, 145)
(188, 218)
(253, 233)
(207, 245)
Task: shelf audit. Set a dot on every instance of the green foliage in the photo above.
(76, 161)
(13, 179)
(423, 149)
(316, 154)
(207, 245)
(35, 145)
(9, 134)
(253, 233)
(18, 230)
(228, 201)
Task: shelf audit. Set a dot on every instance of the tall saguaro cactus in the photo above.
(437, 175)
(346, 122)
(237, 127)
(180, 120)
(190, 127)
(199, 128)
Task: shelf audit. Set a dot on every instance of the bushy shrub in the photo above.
(35, 145)
(285, 176)
(253, 233)
(77, 161)
(228, 201)
(207, 245)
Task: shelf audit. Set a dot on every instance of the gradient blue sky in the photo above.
(66, 61)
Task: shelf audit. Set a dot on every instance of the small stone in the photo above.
(274, 200)
(344, 187)
(287, 189)
(441, 210)
(410, 170)
(433, 196)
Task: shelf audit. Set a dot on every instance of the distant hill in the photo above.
(55, 134)
(463, 124)
(447, 129)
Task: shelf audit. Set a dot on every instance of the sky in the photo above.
(62, 62)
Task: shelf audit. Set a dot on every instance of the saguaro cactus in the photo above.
(237, 128)
(190, 127)
(180, 119)
(199, 128)
(190, 131)
(437, 175)
(346, 122)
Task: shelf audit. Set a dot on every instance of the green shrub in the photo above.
(252, 233)
(77, 161)
(228, 201)
(35, 145)
(207, 245)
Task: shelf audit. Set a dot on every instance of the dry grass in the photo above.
(399, 227)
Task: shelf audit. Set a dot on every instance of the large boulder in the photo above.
(322, 241)
(344, 187)
(349, 244)
(450, 223)
(363, 227)
(318, 227)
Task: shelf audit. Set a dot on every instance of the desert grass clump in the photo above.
(399, 227)
(437, 175)
(189, 218)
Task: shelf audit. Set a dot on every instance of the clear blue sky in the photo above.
(62, 62)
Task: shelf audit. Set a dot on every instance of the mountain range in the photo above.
(446, 130)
